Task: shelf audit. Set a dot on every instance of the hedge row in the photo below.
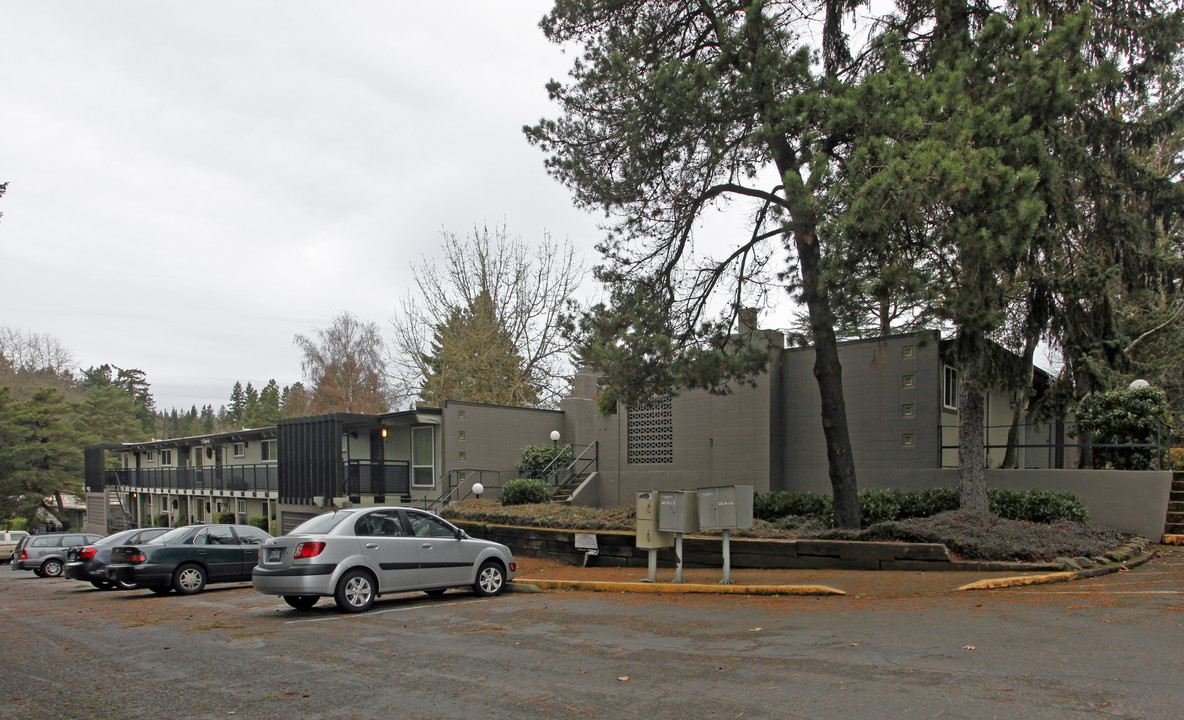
(875, 506)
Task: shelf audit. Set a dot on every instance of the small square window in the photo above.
(908, 440)
(461, 436)
(149, 456)
(460, 414)
(462, 454)
(908, 381)
(908, 410)
(240, 449)
(907, 352)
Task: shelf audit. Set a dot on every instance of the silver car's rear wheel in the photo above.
(355, 591)
(491, 578)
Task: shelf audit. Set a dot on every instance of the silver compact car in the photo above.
(357, 554)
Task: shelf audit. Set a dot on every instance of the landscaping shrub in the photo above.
(227, 518)
(1176, 459)
(525, 491)
(161, 520)
(967, 536)
(259, 522)
(986, 537)
(537, 458)
(544, 515)
(878, 505)
(776, 505)
(1136, 416)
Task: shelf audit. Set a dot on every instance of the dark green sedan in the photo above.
(187, 558)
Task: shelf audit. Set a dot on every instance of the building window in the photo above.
(949, 395)
(149, 456)
(462, 455)
(908, 440)
(240, 449)
(908, 381)
(651, 433)
(460, 414)
(166, 457)
(907, 352)
(423, 456)
(267, 450)
(461, 436)
(908, 410)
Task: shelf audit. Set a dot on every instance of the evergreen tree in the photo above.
(269, 403)
(40, 454)
(238, 404)
(473, 358)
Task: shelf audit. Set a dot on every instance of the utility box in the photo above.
(725, 508)
(678, 511)
(648, 534)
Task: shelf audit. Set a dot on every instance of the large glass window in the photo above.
(267, 450)
(423, 456)
(949, 398)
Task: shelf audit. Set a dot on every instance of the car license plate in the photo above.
(274, 554)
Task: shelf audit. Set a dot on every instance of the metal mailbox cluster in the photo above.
(663, 517)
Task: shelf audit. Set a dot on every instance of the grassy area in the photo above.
(967, 536)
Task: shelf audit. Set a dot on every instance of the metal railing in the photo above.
(1153, 455)
(453, 481)
(220, 478)
(377, 478)
(587, 461)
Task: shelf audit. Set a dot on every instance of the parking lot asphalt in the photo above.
(1101, 648)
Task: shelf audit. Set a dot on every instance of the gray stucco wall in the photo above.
(1125, 500)
(880, 378)
(493, 435)
(716, 440)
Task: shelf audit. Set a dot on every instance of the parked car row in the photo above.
(352, 555)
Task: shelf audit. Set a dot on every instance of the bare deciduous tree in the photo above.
(530, 287)
(345, 366)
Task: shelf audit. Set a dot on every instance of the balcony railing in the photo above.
(380, 479)
(222, 478)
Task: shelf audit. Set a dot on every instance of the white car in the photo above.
(357, 554)
(8, 542)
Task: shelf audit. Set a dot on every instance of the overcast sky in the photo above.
(191, 184)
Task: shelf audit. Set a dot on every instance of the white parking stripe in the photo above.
(380, 612)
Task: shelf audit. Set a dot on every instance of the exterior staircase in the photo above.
(566, 480)
(1174, 526)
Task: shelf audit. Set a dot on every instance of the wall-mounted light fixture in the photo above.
(384, 432)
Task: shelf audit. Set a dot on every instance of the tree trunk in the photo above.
(1010, 458)
(829, 374)
(972, 480)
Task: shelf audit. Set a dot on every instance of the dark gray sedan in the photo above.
(357, 554)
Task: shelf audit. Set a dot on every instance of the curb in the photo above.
(639, 587)
(1049, 578)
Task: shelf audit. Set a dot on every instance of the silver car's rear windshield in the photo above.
(321, 524)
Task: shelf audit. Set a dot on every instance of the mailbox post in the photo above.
(649, 535)
(726, 508)
(678, 514)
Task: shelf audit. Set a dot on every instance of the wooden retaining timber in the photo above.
(618, 549)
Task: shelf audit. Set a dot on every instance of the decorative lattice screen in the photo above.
(651, 433)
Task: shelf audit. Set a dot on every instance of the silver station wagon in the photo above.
(357, 554)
